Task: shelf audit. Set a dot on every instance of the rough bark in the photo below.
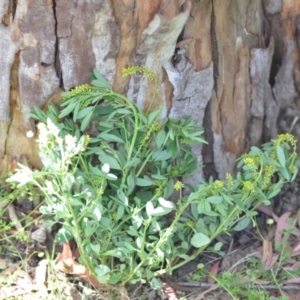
(233, 65)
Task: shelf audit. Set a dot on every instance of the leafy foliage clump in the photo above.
(109, 170)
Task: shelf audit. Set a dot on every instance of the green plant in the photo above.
(109, 190)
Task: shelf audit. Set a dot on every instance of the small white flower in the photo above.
(30, 134)
(105, 168)
(70, 142)
(41, 126)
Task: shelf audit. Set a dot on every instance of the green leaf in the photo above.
(285, 174)
(75, 111)
(215, 199)
(129, 247)
(115, 278)
(67, 110)
(122, 197)
(239, 202)
(82, 113)
(160, 138)
(153, 115)
(110, 137)
(227, 198)
(218, 246)
(242, 224)
(123, 111)
(158, 176)
(95, 248)
(207, 207)
(113, 163)
(199, 239)
(144, 182)
(185, 245)
(212, 227)
(280, 155)
(169, 189)
(149, 274)
(120, 212)
(86, 120)
(102, 270)
(131, 182)
(273, 193)
(201, 207)
(155, 284)
(161, 155)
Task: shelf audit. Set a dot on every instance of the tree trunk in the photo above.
(233, 65)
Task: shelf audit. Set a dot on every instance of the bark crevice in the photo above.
(214, 48)
(57, 65)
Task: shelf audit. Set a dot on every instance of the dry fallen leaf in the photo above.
(169, 292)
(267, 254)
(214, 271)
(66, 261)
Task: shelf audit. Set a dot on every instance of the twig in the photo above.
(245, 258)
(253, 286)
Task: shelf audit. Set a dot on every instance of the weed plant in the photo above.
(110, 170)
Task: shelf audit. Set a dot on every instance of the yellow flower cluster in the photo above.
(229, 181)
(286, 137)
(248, 185)
(154, 126)
(292, 169)
(87, 139)
(84, 88)
(140, 70)
(161, 184)
(268, 172)
(218, 185)
(178, 185)
(251, 163)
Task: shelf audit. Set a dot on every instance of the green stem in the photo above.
(144, 164)
(201, 249)
(136, 124)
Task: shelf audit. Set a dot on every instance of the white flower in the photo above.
(70, 142)
(30, 134)
(41, 126)
(105, 168)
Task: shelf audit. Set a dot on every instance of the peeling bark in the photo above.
(232, 65)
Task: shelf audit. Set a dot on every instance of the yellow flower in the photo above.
(141, 70)
(81, 89)
(178, 185)
(218, 184)
(248, 185)
(286, 137)
(251, 163)
(229, 180)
